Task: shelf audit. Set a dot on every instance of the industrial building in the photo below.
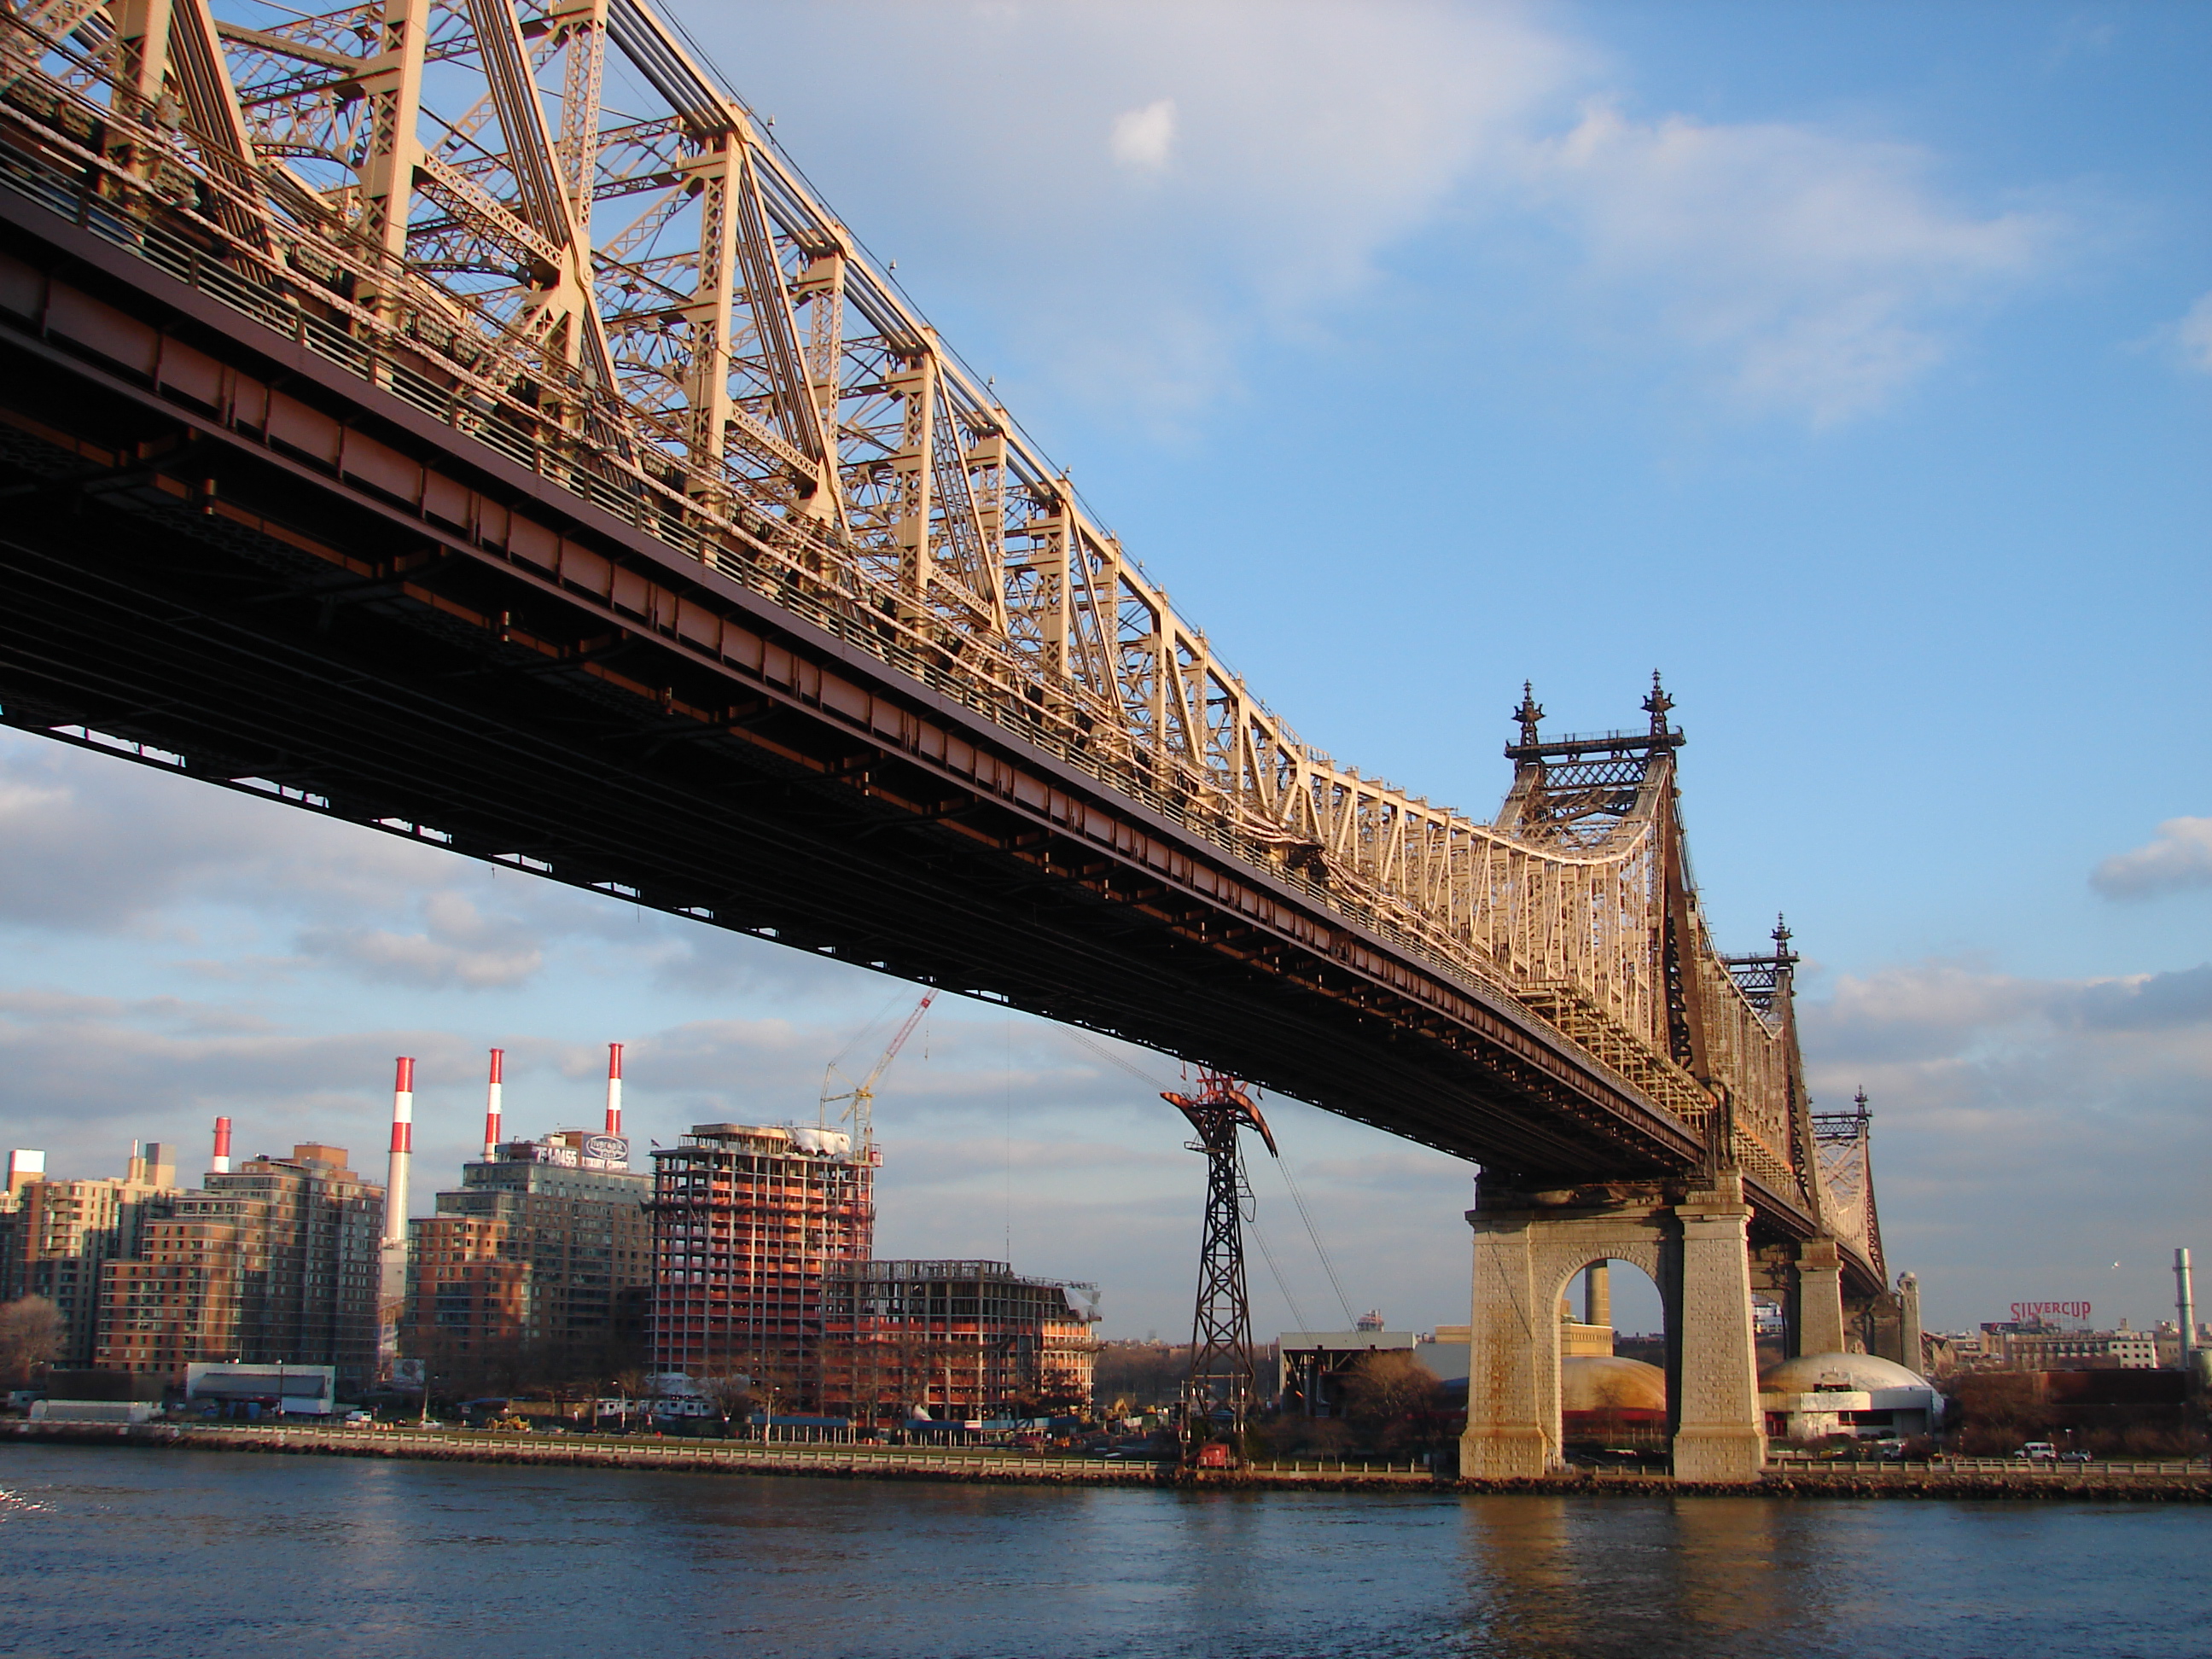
(748, 1222)
(219, 1389)
(273, 1263)
(2034, 1345)
(544, 1245)
(950, 1341)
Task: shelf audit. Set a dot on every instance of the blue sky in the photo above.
(1852, 364)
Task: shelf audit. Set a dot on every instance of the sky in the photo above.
(1852, 364)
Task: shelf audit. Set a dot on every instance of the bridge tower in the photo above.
(1534, 1230)
(1221, 1383)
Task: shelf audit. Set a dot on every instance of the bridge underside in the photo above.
(360, 608)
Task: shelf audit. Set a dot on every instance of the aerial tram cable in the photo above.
(1298, 1197)
(1350, 1319)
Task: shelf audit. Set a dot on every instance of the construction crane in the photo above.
(1221, 1391)
(860, 1101)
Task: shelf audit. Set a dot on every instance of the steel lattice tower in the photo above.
(1221, 1376)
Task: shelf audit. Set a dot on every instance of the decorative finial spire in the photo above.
(1859, 1100)
(1528, 712)
(1656, 706)
(1781, 950)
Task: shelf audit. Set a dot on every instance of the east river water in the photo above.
(120, 1553)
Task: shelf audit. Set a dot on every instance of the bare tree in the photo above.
(1397, 1402)
(30, 1337)
(731, 1392)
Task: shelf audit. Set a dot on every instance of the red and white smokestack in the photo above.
(221, 1163)
(614, 1088)
(403, 1152)
(491, 1107)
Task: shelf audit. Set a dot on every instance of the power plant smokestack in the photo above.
(403, 1152)
(491, 1107)
(614, 1088)
(2184, 1303)
(220, 1164)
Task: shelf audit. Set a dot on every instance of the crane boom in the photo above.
(898, 1041)
(860, 1099)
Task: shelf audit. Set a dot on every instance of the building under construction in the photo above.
(749, 1223)
(950, 1341)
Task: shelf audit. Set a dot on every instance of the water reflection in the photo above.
(121, 1554)
(1647, 1576)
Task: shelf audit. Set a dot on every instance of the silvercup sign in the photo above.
(2050, 1310)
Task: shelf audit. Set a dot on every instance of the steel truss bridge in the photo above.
(457, 416)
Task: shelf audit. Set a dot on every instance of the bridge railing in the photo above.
(1129, 694)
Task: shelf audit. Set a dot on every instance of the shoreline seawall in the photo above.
(2146, 1482)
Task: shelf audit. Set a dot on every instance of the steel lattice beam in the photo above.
(420, 233)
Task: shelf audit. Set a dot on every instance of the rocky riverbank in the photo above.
(2188, 1483)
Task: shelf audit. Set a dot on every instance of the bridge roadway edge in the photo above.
(1482, 1081)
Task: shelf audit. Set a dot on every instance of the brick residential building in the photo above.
(64, 1233)
(274, 1263)
(543, 1250)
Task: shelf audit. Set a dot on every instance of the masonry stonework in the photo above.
(1528, 1247)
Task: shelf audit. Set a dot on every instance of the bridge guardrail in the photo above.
(2038, 1469)
(366, 361)
(612, 481)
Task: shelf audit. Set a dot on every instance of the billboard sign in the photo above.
(2024, 1311)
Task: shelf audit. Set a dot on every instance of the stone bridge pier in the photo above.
(1693, 1243)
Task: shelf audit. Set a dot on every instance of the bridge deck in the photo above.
(228, 546)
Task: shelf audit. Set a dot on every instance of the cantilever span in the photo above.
(456, 416)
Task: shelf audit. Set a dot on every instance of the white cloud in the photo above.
(1293, 148)
(1816, 274)
(1143, 139)
(458, 946)
(2195, 335)
(1288, 147)
(2180, 856)
(2026, 1131)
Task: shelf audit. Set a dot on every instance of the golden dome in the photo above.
(1599, 1383)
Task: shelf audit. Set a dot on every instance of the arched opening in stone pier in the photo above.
(1770, 1328)
(1613, 1367)
(1692, 1245)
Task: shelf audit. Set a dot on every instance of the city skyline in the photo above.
(1897, 489)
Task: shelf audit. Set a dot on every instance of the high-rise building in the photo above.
(749, 1221)
(950, 1339)
(275, 1262)
(543, 1252)
(25, 1165)
(65, 1232)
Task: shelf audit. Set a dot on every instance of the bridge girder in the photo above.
(680, 557)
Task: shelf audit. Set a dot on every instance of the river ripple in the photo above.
(121, 1553)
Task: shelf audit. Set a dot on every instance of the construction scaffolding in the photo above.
(952, 1341)
(749, 1224)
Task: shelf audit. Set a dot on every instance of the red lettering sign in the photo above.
(2021, 1310)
